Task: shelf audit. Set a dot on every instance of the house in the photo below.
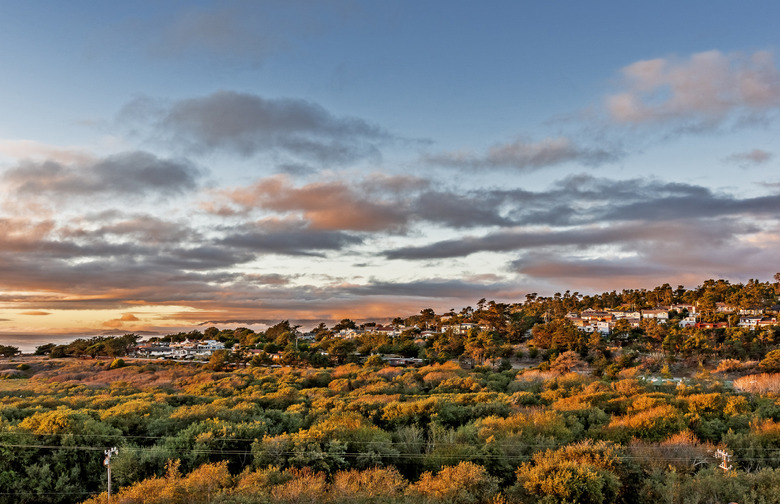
(604, 327)
(350, 333)
(595, 315)
(463, 328)
(387, 330)
(183, 353)
(749, 322)
(635, 322)
(397, 360)
(684, 306)
(154, 351)
(658, 314)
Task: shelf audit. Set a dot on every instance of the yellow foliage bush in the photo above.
(465, 483)
(371, 485)
(305, 487)
(201, 486)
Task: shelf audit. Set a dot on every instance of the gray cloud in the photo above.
(219, 32)
(676, 260)
(248, 124)
(140, 228)
(580, 238)
(133, 173)
(460, 210)
(242, 33)
(290, 238)
(431, 288)
(585, 200)
(524, 155)
(608, 212)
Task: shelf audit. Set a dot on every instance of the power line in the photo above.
(316, 454)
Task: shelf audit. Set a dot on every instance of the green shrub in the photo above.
(117, 363)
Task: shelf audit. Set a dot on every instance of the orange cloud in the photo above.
(325, 205)
(121, 321)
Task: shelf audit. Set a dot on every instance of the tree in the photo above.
(771, 362)
(219, 360)
(344, 324)
(374, 361)
(281, 333)
(9, 351)
(44, 349)
(481, 346)
(428, 318)
(559, 334)
(567, 361)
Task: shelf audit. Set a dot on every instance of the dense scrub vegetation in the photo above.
(520, 408)
(352, 433)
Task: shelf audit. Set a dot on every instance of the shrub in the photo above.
(465, 483)
(117, 363)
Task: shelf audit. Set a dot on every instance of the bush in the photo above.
(465, 483)
(117, 363)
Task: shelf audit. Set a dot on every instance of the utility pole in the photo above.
(107, 463)
(726, 458)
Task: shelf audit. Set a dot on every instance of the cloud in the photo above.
(121, 322)
(35, 313)
(219, 32)
(375, 203)
(510, 241)
(524, 155)
(241, 33)
(397, 204)
(676, 261)
(30, 149)
(326, 205)
(130, 173)
(474, 209)
(432, 288)
(751, 158)
(247, 124)
(631, 233)
(583, 199)
(287, 237)
(581, 238)
(700, 92)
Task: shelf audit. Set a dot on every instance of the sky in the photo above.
(169, 166)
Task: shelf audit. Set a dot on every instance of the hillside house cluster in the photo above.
(185, 350)
(604, 321)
